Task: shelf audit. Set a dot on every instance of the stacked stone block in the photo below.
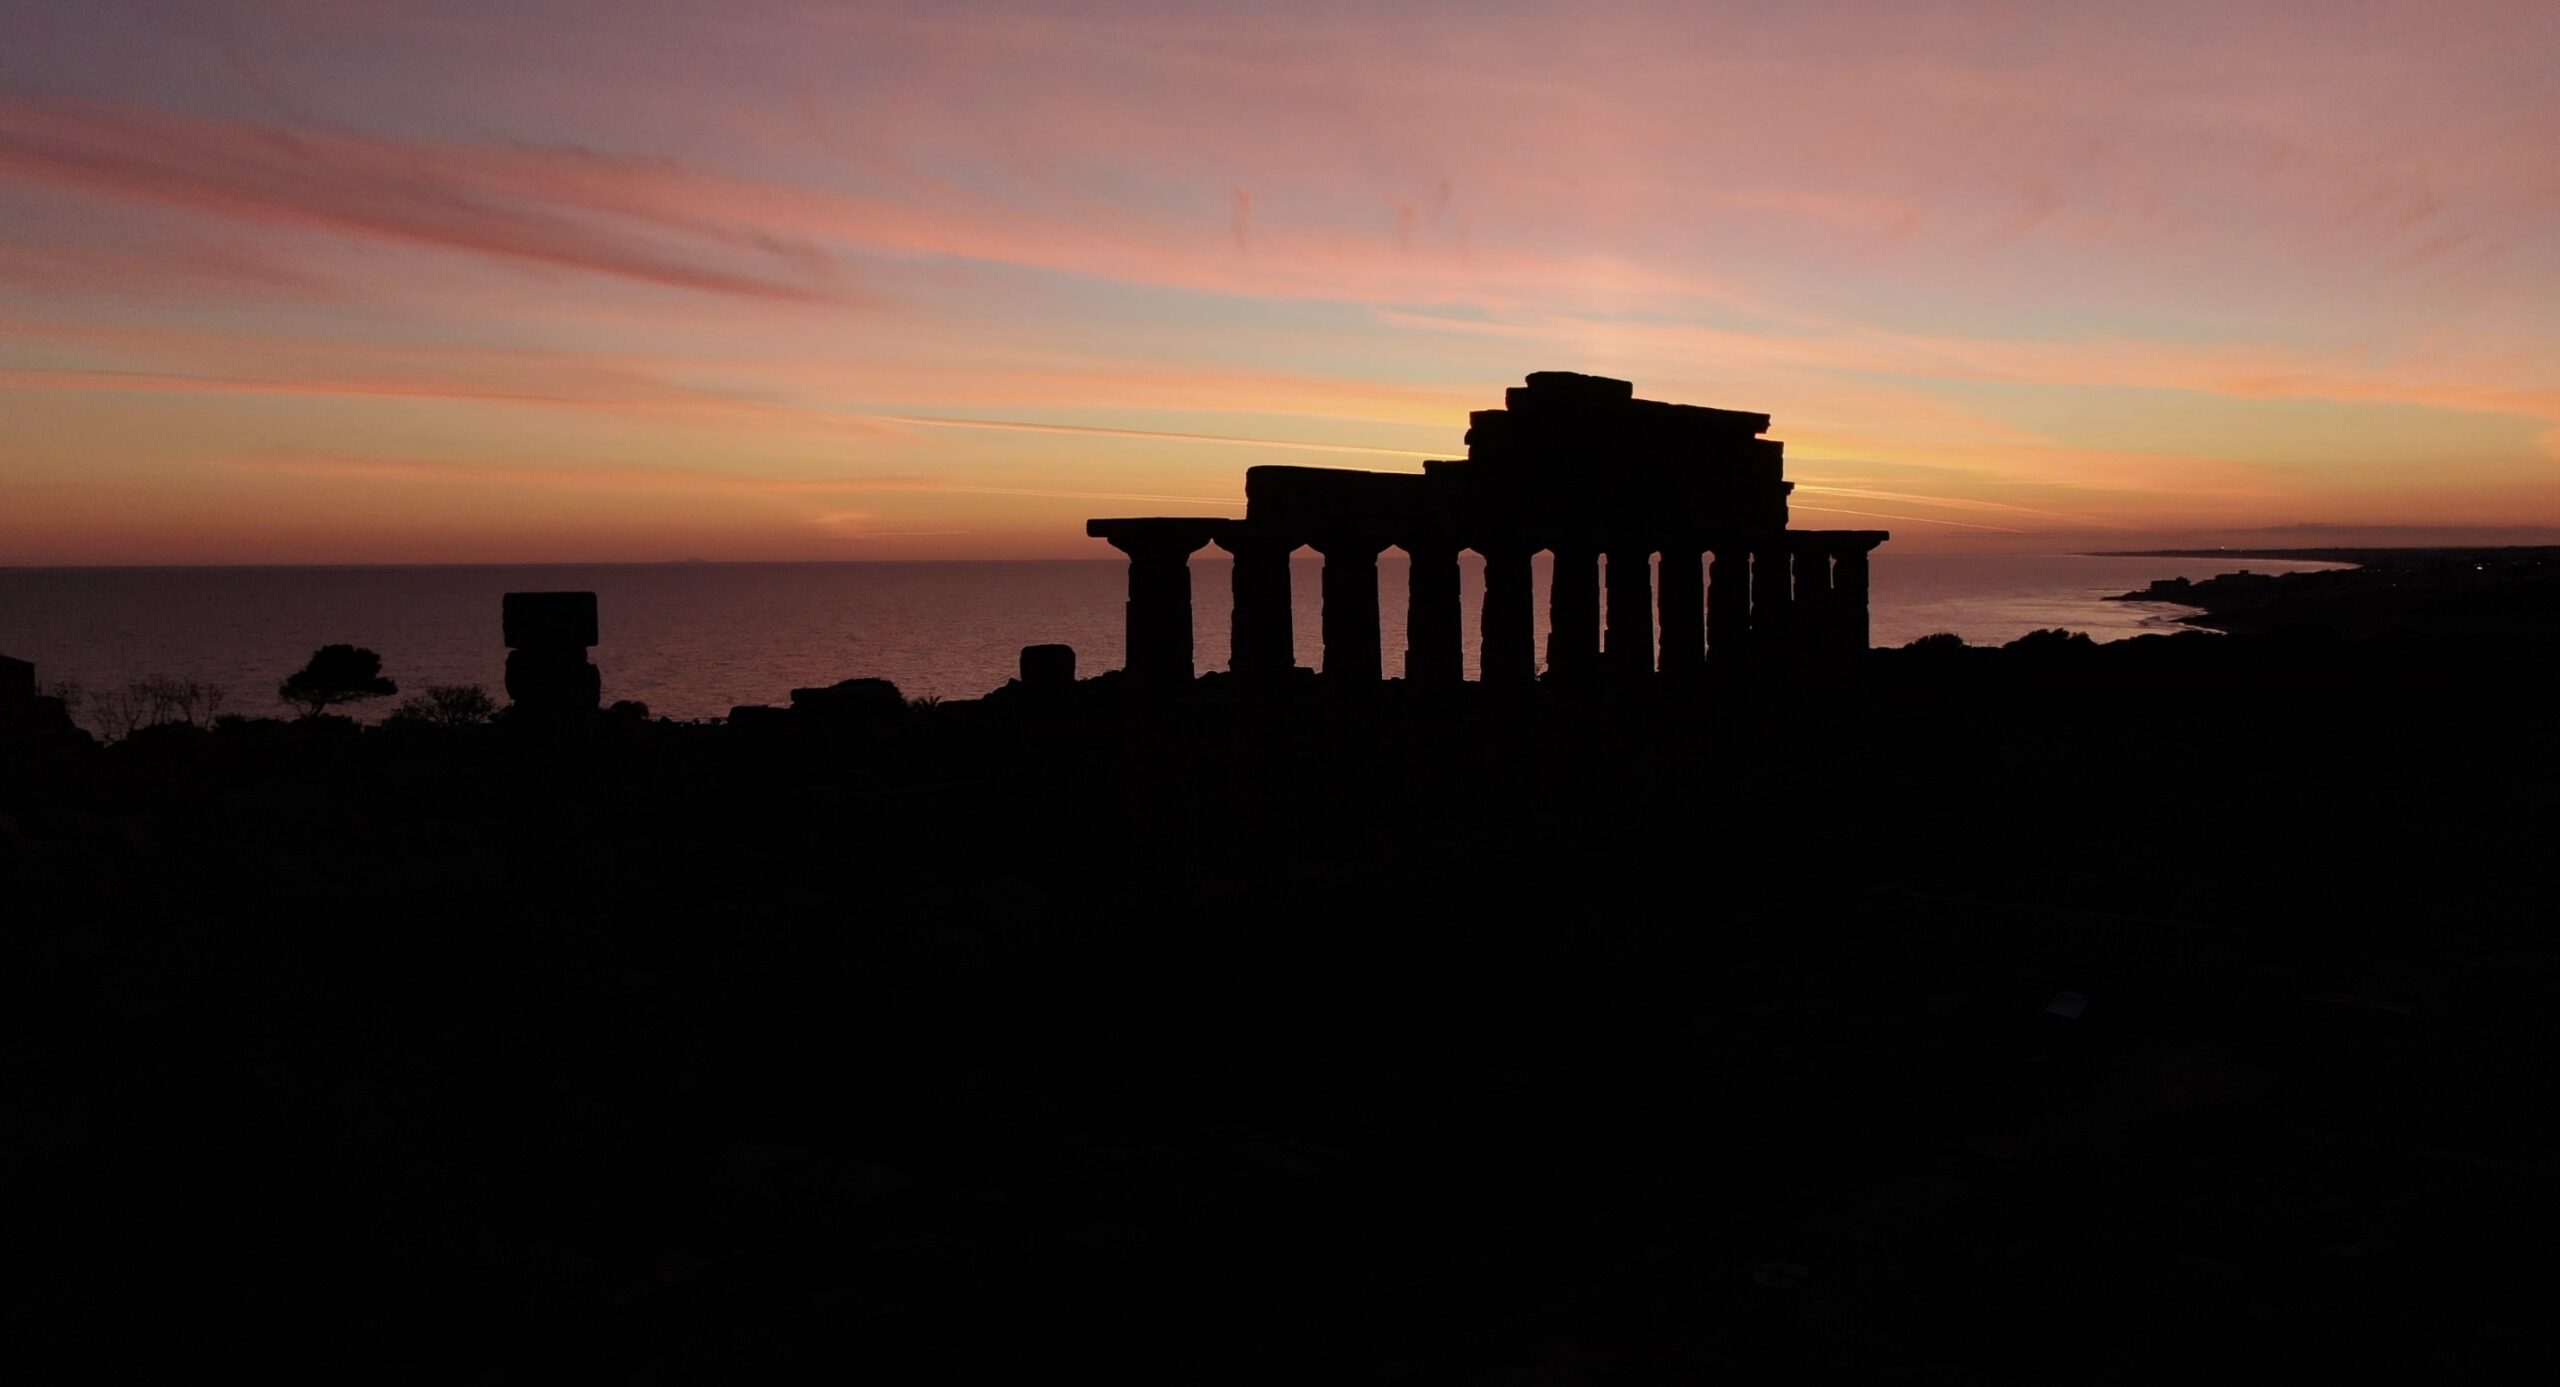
(548, 636)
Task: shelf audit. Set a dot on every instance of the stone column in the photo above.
(1047, 668)
(1435, 641)
(1729, 607)
(1630, 649)
(1263, 637)
(1159, 610)
(1772, 596)
(1814, 633)
(1849, 598)
(548, 635)
(1573, 612)
(17, 700)
(1684, 611)
(1508, 623)
(1351, 643)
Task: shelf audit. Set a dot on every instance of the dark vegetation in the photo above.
(447, 705)
(119, 711)
(2057, 1011)
(336, 674)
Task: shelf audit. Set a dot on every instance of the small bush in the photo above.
(2053, 639)
(447, 705)
(191, 701)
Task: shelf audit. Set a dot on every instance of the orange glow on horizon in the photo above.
(364, 282)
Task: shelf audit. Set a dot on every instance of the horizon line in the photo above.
(2165, 550)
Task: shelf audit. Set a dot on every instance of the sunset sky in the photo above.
(356, 280)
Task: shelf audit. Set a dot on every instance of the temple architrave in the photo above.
(1686, 505)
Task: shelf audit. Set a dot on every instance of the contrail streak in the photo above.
(1025, 426)
(1872, 495)
(921, 485)
(1913, 519)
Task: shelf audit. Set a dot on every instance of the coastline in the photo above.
(2486, 592)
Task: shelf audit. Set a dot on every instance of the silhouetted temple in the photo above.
(1574, 465)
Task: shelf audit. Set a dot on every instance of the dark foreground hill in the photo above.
(2060, 1011)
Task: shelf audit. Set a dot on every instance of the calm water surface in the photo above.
(692, 640)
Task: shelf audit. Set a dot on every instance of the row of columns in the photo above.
(1804, 590)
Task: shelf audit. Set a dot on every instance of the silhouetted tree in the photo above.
(119, 711)
(336, 674)
(447, 705)
(191, 701)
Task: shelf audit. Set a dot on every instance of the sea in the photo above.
(693, 640)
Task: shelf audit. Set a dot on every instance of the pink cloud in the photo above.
(553, 474)
(186, 267)
(661, 221)
(1149, 223)
(509, 205)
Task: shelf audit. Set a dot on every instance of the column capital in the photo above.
(1243, 538)
(1174, 534)
(1159, 608)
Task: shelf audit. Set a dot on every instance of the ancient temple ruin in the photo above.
(1574, 465)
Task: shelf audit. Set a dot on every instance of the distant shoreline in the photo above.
(2360, 556)
(2494, 592)
(2294, 555)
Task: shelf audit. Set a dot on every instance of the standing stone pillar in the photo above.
(1849, 598)
(548, 636)
(1048, 668)
(1630, 649)
(1159, 610)
(1729, 608)
(1573, 612)
(1351, 642)
(1435, 641)
(1508, 623)
(1684, 611)
(17, 700)
(1772, 597)
(1263, 636)
(1815, 639)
